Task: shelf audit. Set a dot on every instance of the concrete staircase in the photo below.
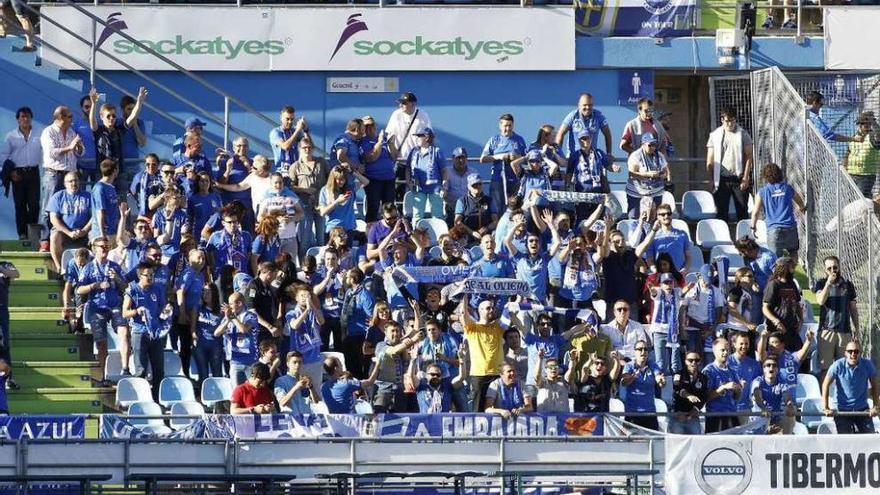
(56, 369)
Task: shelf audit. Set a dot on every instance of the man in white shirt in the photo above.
(61, 147)
(22, 149)
(258, 182)
(404, 121)
(729, 163)
(624, 332)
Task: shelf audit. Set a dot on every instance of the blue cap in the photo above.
(192, 123)
(240, 281)
(648, 138)
(534, 156)
(666, 277)
(426, 131)
(474, 179)
(706, 272)
(459, 152)
(582, 133)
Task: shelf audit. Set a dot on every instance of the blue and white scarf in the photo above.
(667, 313)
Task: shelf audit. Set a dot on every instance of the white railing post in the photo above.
(225, 122)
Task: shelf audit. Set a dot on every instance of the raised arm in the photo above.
(138, 106)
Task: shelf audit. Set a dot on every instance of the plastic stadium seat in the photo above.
(132, 389)
(744, 229)
(67, 255)
(807, 388)
(476, 253)
(800, 429)
(627, 227)
(826, 428)
(661, 407)
(360, 204)
(362, 407)
(813, 420)
(408, 204)
(153, 425)
(691, 278)
(680, 224)
(320, 408)
(185, 407)
(669, 199)
(193, 369)
(435, 252)
(175, 389)
(712, 232)
(173, 367)
(360, 226)
(338, 355)
(736, 259)
(216, 389)
(698, 205)
(616, 405)
(435, 227)
(697, 260)
(112, 366)
(313, 251)
(620, 197)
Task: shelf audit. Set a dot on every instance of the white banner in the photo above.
(761, 465)
(321, 39)
(850, 35)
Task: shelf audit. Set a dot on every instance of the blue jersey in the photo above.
(244, 344)
(852, 383)
(426, 168)
(208, 322)
(675, 242)
(382, 168)
(74, 209)
(640, 392)
(588, 170)
(534, 271)
(283, 158)
(715, 377)
(352, 149)
(341, 216)
(339, 395)
(239, 173)
(95, 272)
(231, 250)
(83, 129)
(497, 267)
(266, 249)
(193, 284)
(579, 124)
(104, 198)
(172, 225)
(200, 207)
(771, 393)
(150, 298)
(778, 205)
(746, 370)
(499, 144)
(306, 338)
(144, 185)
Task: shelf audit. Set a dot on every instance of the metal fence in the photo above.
(839, 220)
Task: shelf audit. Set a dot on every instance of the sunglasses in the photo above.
(552, 367)
(641, 348)
(853, 351)
(693, 360)
(770, 366)
(621, 310)
(663, 214)
(433, 374)
(168, 172)
(599, 363)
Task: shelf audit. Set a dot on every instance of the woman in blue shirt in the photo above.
(208, 351)
(428, 179)
(777, 199)
(267, 244)
(204, 203)
(336, 199)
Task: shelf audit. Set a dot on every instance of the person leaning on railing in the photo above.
(852, 375)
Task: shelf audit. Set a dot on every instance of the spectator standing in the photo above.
(148, 320)
(459, 178)
(587, 169)
(295, 392)
(593, 385)
(102, 282)
(192, 154)
(648, 174)
(134, 138)
(428, 176)
(87, 165)
(357, 309)
(230, 246)
(729, 163)
(706, 307)
(475, 213)
(338, 391)
(773, 345)
(689, 391)
(552, 390)
(304, 324)
(776, 200)
(515, 354)
(816, 101)
(771, 395)
(619, 265)
(22, 147)
(285, 139)
(724, 389)
(337, 197)
(507, 396)
(852, 375)
(346, 148)
(666, 323)
(404, 120)
(240, 325)
(838, 313)
(744, 304)
(671, 240)
(308, 174)
(391, 359)
(782, 304)
(70, 216)
(109, 132)
(584, 118)
(500, 150)
(61, 146)
(623, 332)
(436, 391)
(760, 259)
(287, 209)
(8, 273)
(643, 125)
(208, 350)
(747, 369)
(105, 203)
(234, 170)
(639, 378)
(147, 183)
(862, 157)
(253, 396)
(484, 338)
(379, 154)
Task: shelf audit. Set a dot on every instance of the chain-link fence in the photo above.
(839, 220)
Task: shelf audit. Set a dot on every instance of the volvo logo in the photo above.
(724, 471)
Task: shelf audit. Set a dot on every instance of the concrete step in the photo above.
(43, 293)
(7, 245)
(32, 404)
(38, 352)
(31, 265)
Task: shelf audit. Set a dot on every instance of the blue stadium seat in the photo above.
(698, 205)
(152, 425)
(669, 199)
(131, 390)
(435, 252)
(620, 198)
(175, 389)
(744, 229)
(627, 227)
(185, 407)
(435, 227)
(216, 389)
(800, 429)
(313, 251)
(697, 260)
(408, 204)
(173, 367)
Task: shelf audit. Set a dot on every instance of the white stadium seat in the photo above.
(697, 205)
(132, 389)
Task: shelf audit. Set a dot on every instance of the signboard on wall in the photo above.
(363, 84)
(741, 465)
(654, 18)
(320, 39)
(633, 85)
(850, 37)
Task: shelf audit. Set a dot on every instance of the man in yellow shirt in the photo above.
(587, 340)
(862, 157)
(485, 338)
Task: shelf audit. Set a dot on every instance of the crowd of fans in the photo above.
(258, 268)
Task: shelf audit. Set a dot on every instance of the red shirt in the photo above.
(246, 395)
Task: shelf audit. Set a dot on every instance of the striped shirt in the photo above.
(53, 140)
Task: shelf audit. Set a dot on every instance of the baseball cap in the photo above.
(459, 152)
(473, 179)
(534, 156)
(648, 138)
(583, 133)
(193, 122)
(427, 131)
(666, 277)
(407, 98)
(706, 272)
